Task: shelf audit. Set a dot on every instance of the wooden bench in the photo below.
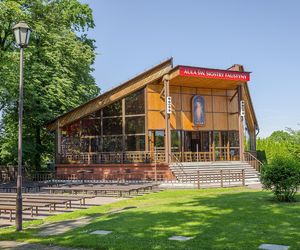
(9, 208)
(68, 198)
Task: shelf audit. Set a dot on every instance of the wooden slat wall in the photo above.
(219, 110)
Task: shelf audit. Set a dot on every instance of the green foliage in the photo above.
(279, 143)
(294, 145)
(282, 176)
(57, 74)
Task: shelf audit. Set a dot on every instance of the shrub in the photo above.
(282, 176)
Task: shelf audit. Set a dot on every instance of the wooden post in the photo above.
(155, 167)
(89, 158)
(198, 175)
(243, 177)
(166, 79)
(123, 131)
(241, 126)
(213, 151)
(221, 171)
(228, 152)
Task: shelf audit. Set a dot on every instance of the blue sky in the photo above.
(264, 36)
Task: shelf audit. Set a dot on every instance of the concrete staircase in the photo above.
(187, 170)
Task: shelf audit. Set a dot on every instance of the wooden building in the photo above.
(164, 115)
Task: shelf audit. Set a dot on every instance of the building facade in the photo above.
(162, 116)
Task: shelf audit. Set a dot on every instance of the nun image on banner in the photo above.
(198, 110)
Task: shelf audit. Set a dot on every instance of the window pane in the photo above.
(112, 126)
(95, 145)
(233, 138)
(135, 125)
(135, 143)
(91, 127)
(84, 145)
(70, 145)
(159, 139)
(224, 135)
(205, 141)
(175, 140)
(217, 139)
(187, 141)
(114, 109)
(112, 143)
(135, 103)
(71, 129)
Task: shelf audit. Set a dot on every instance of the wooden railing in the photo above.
(112, 157)
(219, 177)
(217, 154)
(178, 163)
(253, 161)
(234, 176)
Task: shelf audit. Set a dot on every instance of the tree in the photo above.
(279, 143)
(57, 72)
(294, 145)
(280, 136)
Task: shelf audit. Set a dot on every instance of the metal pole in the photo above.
(155, 167)
(197, 152)
(19, 179)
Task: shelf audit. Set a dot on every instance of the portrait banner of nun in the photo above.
(198, 110)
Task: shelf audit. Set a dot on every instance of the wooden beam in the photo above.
(231, 98)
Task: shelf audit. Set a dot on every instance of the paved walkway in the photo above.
(257, 186)
(14, 245)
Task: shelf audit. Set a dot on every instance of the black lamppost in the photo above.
(22, 34)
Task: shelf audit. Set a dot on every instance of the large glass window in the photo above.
(135, 143)
(84, 145)
(159, 139)
(90, 126)
(112, 144)
(135, 103)
(112, 126)
(109, 129)
(114, 109)
(233, 137)
(72, 129)
(135, 125)
(95, 144)
(175, 140)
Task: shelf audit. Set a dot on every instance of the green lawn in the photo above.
(235, 218)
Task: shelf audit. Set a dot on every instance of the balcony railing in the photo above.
(111, 157)
(221, 154)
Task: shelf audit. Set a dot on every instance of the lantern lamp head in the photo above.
(22, 34)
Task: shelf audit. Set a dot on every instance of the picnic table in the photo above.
(102, 189)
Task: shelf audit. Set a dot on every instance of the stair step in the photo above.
(190, 170)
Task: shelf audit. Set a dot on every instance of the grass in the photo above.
(233, 218)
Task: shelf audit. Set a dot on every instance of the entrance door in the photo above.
(221, 145)
(200, 141)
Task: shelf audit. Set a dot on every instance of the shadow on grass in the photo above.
(240, 220)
